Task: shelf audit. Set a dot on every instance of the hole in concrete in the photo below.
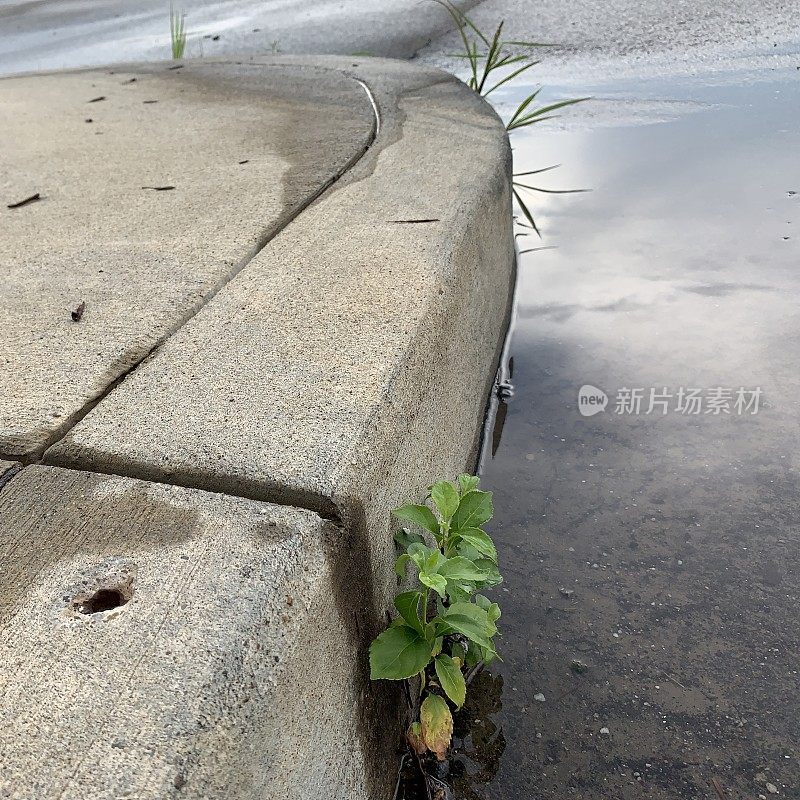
(103, 600)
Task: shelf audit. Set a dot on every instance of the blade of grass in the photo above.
(177, 31)
(460, 22)
(526, 211)
(550, 191)
(537, 249)
(510, 77)
(536, 171)
(521, 107)
(491, 57)
(533, 116)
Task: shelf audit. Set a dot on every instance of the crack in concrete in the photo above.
(37, 455)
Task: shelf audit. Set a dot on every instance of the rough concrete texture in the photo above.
(227, 672)
(342, 369)
(348, 366)
(244, 155)
(7, 469)
(383, 302)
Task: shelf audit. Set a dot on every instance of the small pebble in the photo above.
(772, 788)
(539, 697)
(605, 732)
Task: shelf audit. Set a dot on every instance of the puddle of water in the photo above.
(651, 560)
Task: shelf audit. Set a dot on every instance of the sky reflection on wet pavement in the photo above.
(659, 551)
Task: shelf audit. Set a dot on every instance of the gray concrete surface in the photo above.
(341, 370)
(55, 35)
(141, 260)
(349, 365)
(226, 673)
(6, 469)
(304, 372)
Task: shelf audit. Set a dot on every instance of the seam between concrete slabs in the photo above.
(390, 91)
(36, 455)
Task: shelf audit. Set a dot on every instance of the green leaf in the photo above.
(457, 651)
(435, 582)
(481, 541)
(487, 656)
(493, 576)
(420, 515)
(406, 538)
(482, 602)
(468, 483)
(471, 621)
(434, 561)
(436, 723)
(401, 563)
(452, 680)
(473, 611)
(461, 569)
(423, 556)
(407, 605)
(468, 551)
(474, 509)
(473, 655)
(492, 609)
(458, 592)
(445, 497)
(398, 653)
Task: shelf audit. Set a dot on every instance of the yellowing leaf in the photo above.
(436, 723)
(414, 738)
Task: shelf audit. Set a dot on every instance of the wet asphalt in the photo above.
(651, 626)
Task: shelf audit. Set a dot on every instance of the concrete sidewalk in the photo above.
(298, 336)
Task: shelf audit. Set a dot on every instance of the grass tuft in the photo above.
(177, 31)
(486, 54)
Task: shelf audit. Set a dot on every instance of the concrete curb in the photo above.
(345, 368)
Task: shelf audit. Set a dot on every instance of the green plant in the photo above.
(486, 55)
(177, 31)
(445, 626)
